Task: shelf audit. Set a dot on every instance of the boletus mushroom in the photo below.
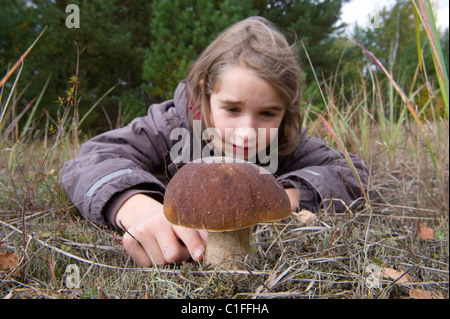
(226, 198)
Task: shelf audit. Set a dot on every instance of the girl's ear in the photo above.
(202, 84)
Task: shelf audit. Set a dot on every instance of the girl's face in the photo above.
(244, 105)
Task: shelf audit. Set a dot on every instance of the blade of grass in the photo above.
(16, 120)
(94, 106)
(21, 59)
(78, 124)
(2, 88)
(33, 111)
(18, 63)
(407, 102)
(5, 107)
(344, 151)
(424, 11)
(419, 47)
(335, 137)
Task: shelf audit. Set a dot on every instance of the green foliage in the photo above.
(146, 47)
(180, 30)
(445, 47)
(310, 21)
(112, 33)
(393, 41)
(424, 13)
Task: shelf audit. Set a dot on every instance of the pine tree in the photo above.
(181, 30)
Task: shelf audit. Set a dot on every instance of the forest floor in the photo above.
(394, 246)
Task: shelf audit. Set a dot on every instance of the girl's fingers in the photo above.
(145, 254)
(147, 250)
(193, 240)
(160, 243)
(172, 250)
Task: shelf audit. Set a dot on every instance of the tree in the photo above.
(146, 46)
(17, 31)
(181, 30)
(311, 22)
(113, 34)
(177, 43)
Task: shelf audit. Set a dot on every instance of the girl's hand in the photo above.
(151, 240)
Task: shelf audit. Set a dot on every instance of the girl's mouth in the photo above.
(240, 149)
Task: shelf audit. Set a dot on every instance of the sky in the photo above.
(359, 11)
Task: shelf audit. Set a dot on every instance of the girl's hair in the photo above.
(256, 44)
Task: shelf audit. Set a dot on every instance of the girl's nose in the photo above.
(247, 122)
(244, 136)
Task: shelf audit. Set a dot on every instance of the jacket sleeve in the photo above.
(119, 160)
(323, 177)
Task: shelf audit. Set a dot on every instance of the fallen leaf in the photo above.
(424, 232)
(305, 217)
(8, 261)
(101, 293)
(394, 274)
(417, 293)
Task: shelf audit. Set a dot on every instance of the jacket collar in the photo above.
(181, 103)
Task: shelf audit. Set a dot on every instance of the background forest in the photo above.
(143, 48)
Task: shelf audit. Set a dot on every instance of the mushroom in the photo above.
(225, 197)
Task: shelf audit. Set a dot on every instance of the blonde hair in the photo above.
(256, 44)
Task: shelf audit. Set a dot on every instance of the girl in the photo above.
(246, 80)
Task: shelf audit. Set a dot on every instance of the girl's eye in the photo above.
(267, 114)
(232, 109)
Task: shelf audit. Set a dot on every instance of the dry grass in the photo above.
(327, 259)
(337, 257)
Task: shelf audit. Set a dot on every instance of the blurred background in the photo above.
(143, 48)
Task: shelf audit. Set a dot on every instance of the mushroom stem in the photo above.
(228, 245)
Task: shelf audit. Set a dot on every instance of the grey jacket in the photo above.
(136, 159)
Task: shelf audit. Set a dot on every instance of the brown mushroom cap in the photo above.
(224, 196)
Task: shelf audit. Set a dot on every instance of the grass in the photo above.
(324, 260)
(333, 258)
